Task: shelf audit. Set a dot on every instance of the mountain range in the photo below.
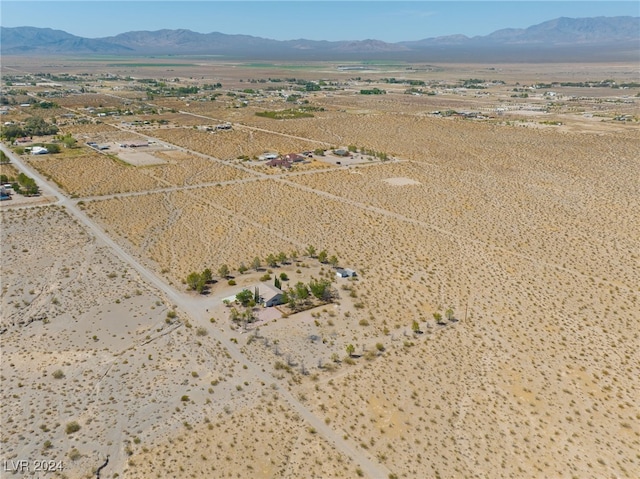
(561, 39)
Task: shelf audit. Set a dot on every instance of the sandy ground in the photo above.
(528, 231)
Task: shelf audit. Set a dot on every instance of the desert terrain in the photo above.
(491, 213)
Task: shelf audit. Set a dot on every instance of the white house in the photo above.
(268, 156)
(39, 150)
(270, 295)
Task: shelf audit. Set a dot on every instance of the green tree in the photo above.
(289, 299)
(321, 289)
(223, 271)
(207, 275)
(301, 290)
(193, 280)
(271, 261)
(333, 261)
(69, 141)
(282, 257)
(242, 268)
(311, 251)
(36, 126)
(449, 314)
(322, 256)
(255, 264)
(245, 297)
(294, 255)
(415, 326)
(277, 283)
(202, 285)
(351, 349)
(52, 148)
(437, 317)
(26, 186)
(11, 132)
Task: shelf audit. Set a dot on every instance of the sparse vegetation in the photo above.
(496, 213)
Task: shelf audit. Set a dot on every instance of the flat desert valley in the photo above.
(491, 214)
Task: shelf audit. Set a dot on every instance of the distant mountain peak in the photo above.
(610, 38)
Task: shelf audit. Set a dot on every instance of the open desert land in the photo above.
(87, 344)
(523, 220)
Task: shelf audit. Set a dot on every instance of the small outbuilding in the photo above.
(345, 273)
(268, 156)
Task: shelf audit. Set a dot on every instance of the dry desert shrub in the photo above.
(103, 134)
(91, 173)
(235, 143)
(185, 232)
(88, 130)
(240, 444)
(88, 173)
(9, 170)
(525, 215)
(188, 169)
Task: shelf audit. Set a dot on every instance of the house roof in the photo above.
(283, 163)
(268, 291)
(293, 157)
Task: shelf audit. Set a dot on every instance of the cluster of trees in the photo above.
(25, 185)
(449, 315)
(58, 77)
(373, 91)
(32, 126)
(404, 81)
(322, 256)
(196, 281)
(248, 300)
(199, 281)
(301, 295)
(45, 105)
(162, 90)
(67, 140)
(365, 151)
(412, 90)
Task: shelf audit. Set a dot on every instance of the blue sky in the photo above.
(390, 21)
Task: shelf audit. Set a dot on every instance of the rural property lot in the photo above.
(524, 222)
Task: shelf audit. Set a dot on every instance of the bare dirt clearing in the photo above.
(401, 181)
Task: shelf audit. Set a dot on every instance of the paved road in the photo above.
(194, 308)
